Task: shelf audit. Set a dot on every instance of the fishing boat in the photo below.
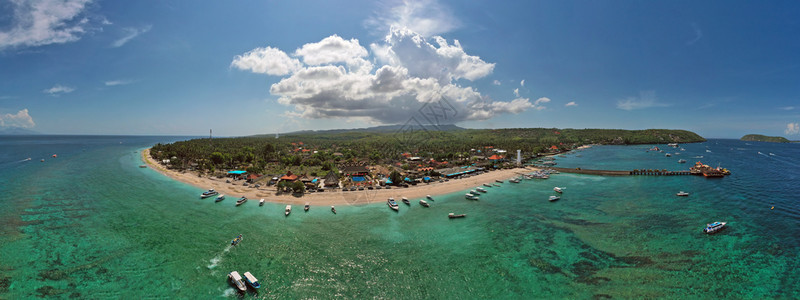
(554, 198)
(405, 200)
(453, 216)
(424, 203)
(251, 280)
(681, 161)
(558, 190)
(392, 204)
(480, 189)
(498, 181)
(306, 207)
(429, 197)
(474, 192)
(333, 209)
(241, 201)
(209, 193)
(236, 280)
(143, 166)
(471, 197)
(714, 227)
(288, 210)
(236, 241)
(220, 198)
(514, 180)
(667, 155)
(487, 185)
(682, 194)
(261, 202)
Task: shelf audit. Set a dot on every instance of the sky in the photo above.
(719, 68)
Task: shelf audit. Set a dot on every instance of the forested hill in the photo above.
(764, 138)
(317, 148)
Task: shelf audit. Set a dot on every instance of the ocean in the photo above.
(91, 224)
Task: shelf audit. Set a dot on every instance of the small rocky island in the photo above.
(764, 138)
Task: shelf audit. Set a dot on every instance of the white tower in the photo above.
(519, 157)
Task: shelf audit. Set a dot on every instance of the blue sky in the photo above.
(719, 68)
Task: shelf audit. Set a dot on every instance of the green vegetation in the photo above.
(764, 138)
(317, 153)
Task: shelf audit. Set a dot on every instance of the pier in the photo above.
(649, 172)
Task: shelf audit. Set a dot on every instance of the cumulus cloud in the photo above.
(336, 79)
(20, 119)
(130, 33)
(792, 129)
(538, 103)
(270, 61)
(426, 17)
(522, 83)
(496, 82)
(645, 100)
(516, 92)
(571, 104)
(44, 22)
(58, 90)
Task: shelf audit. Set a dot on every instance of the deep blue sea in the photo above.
(92, 224)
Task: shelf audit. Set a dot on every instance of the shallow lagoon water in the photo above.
(91, 224)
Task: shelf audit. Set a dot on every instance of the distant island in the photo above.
(764, 138)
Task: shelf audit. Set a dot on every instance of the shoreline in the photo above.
(337, 197)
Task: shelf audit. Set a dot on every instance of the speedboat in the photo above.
(405, 200)
(474, 192)
(471, 196)
(554, 198)
(220, 198)
(424, 203)
(288, 210)
(333, 209)
(453, 216)
(251, 280)
(392, 204)
(241, 201)
(236, 280)
(261, 202)
(209, 193)
(306, 207)
(480, 189)
(714, 227)
(236, 241)
(681, 161)
(558, 190)
(682, 193)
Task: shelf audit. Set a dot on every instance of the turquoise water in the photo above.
(91, 224)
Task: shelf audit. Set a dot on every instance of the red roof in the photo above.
(554, 147)
(495, 157)
(289, 176)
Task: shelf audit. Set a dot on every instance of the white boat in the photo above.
(480, 189)
(306, 207)
(220, 198)
(209, 193)
(471, 197)
(405, 200)
(288, 210)
(392, 204)
(714, 227)
(241, 201)
(251, 280)
(333, 209)
(558, 190)
(237, 281)
(554, 198)
(682, 193)
(681, 161)
(474, 192)
(454, 216)
(429, 197)
(424, 203)
(261, 202)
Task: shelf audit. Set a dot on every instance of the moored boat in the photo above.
(306, 207)
(474, 192)
(558, 190)
(682, 194)
(209, 193)
(424, 203)
(236, 280)
(681, 161)
(471, 196)
(237, 240)
(487, 185)
(480, 189)
(241, 201)
(498, 181)
(714, 227)
(554, 198)
(405, 200)
(333, 209)
(392, 204)
(288, 210)
(429, 197)
(251, 280)
(261, 202)
(220, 198)
(453, 216)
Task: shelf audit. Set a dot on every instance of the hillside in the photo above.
(764, 138)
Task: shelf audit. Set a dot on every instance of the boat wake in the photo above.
(215, 261)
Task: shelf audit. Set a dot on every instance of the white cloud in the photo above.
(58, 90)
(20, 119)
(270, 61)
(792, 129)
(698, 34)
(645, 100)
(44, 22)
(516, 92)
(117, 82)
(571, 104)
(496, 82)
(522, 83)
(787, 108)
(538, 103)
(412, 72)
(426, 17)
(130, 33)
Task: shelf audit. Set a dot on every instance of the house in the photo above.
(331, 179)
(496, 157)
(289, 177)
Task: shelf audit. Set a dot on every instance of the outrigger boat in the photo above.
(453, 216)
(209, 193)
(682, 193)
(714, 227)
(236, 241)
(220, 198)
(558, 190)
(288, 210)
(471, 197)
(251, 280)
(554, 198)
(487, 185)
(392, 204)
(424, 203)
(333, 209)
(480, 189)
(236, 280)
(241, 201)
